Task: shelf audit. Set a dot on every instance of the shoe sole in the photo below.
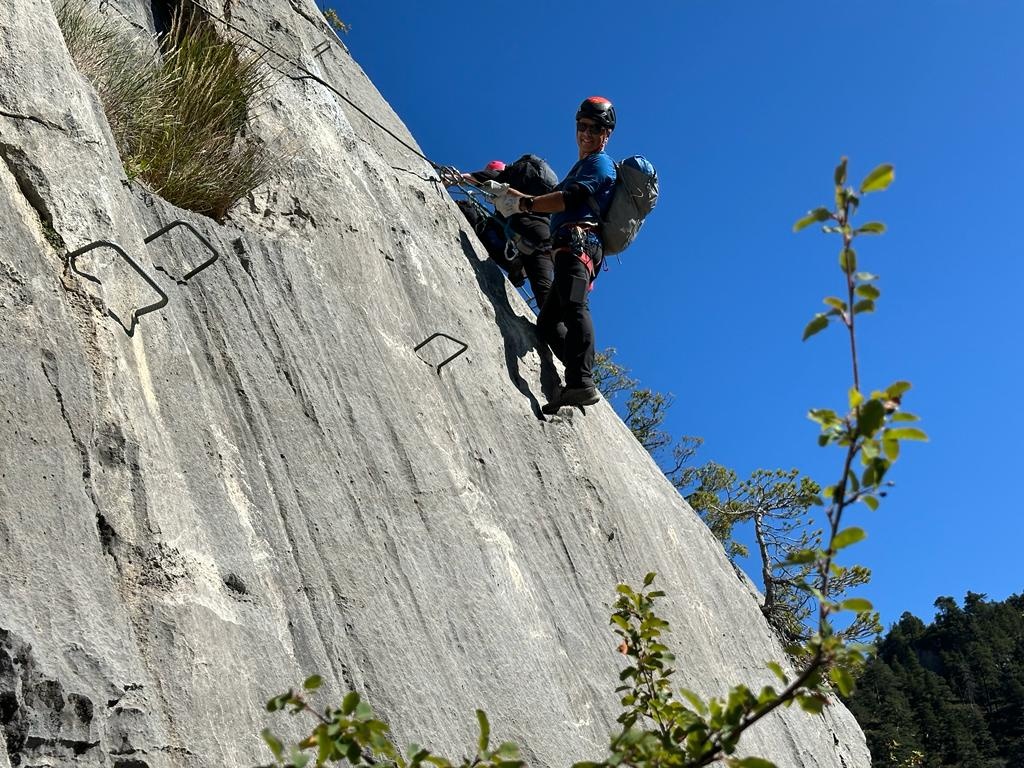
(552, 408)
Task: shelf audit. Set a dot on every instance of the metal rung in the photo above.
(135, 313)
(433, 336)
(321, 49)
(179, 223)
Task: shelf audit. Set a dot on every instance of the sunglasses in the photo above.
(591, 128)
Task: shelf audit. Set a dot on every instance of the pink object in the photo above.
(495, 165)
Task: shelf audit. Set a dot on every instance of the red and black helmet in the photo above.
(598, 109)
(489, 171)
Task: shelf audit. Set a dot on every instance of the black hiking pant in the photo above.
(540, 271)
(564, 323)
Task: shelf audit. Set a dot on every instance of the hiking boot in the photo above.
(579, 396)
(573, 396)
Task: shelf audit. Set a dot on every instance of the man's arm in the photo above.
(552, 202)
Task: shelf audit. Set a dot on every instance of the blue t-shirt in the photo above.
(595, 172)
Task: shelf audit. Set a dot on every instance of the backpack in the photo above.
(530, 175)
(634, 196)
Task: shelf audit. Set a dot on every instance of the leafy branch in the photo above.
(351, 733)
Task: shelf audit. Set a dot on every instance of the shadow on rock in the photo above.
(518, 333)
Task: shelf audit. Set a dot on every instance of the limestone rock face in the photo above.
(266, 481)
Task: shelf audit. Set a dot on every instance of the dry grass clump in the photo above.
(178, 107)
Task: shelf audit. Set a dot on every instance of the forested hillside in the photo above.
(950, 693)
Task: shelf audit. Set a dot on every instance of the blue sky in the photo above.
(745, 108)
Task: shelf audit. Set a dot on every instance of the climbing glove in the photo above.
(505, 203)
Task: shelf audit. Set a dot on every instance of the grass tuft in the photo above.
(178, 108)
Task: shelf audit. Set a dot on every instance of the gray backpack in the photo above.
(635, 195)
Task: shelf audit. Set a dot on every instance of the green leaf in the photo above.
(802, 556)
(848, 260)
(819, 323)
(507, 750)
(273, 743)
(905, 433)
(866, 277)
(363, 711)
(776, 668)
(836, 303)
(840, 174)
(871, 502)
(904, 416)
(871, 228)
(868, 291)
(856, 604)
(298, 759)
(824, 416)
(818, 214)
(897, 389)
(811, 703)
(624, 589)
(485, 730)
(313, 682)
(353, 754)
(871, 417)
(891, 448)
(847, 537)
(842, 680)
(349, 703)
(869, 476)
(869, 450)
(864, 305)
(324, 749)
(649, 579)
(696, 702)
(856, 398)
(879, 179)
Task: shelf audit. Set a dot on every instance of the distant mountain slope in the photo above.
(952, 691)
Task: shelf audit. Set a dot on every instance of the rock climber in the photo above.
(577, 202)
(521, 242)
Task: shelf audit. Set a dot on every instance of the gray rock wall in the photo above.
(267, 482)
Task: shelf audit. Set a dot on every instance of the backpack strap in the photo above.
(592, 202)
